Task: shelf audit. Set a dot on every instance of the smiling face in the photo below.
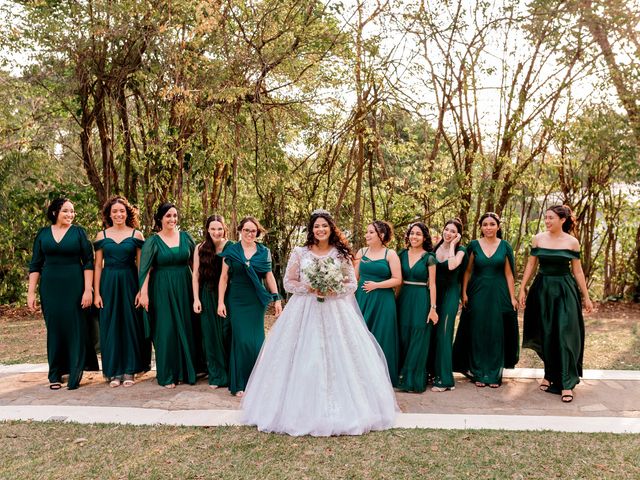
(449, 233)
(321, 230)
(249, 232)
(118, 214)
(65, 215)
(416, 237)
(216, 230)
(371, 236)
(553, 222)
(170, 219)
(489, 227)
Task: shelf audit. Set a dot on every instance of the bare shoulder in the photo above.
(573, 242)
(360, 254)
(392, 254)
(138, 234)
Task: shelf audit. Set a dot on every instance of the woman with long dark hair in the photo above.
(553, 323)
(320, 372)
(450, 256)
(62, 262)
(487, 337)
(165, 294)
(216, 330)
(245, 269)
(125, 350)
(416, 307)
(379, 273)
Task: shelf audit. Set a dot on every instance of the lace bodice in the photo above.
(296, 282)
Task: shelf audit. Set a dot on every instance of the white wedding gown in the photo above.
(320, 372)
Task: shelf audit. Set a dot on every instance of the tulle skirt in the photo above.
(320, 372)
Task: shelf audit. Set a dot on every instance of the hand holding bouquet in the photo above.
(325, 276)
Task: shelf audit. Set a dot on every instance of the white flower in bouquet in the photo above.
(326, 276)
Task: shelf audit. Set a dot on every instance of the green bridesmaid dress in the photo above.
(246, 307)
(378, 308)
(62, 265)
(414, 304)
(487, 338)
(170, 319)
(216, 330)
(553, 323)
(449, 286)
(124, 348)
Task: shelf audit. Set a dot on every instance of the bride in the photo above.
(320, 371)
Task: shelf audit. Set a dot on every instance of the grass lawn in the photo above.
(612, 338)
(68, 451)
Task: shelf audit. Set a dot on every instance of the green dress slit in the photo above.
(553, 322)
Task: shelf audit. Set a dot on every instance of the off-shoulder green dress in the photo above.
(170, 307)
(414, 303)
(553, 322)
(378, 308)
(62, 265)
(123, 345)
(487, 340)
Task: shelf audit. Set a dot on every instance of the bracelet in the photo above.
(433, 307)
(275, 297)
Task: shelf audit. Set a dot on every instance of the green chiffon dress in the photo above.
(170, 320)
(553, 323)
(246, 307)
(414, 303)
(487, 338)
(62, 265)
(216, 330)
(449, 286)
(124, 348)
(378, 308)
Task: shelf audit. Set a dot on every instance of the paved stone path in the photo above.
(605, 401)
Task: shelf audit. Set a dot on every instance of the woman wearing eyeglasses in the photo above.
(246, 266)
(487, 337)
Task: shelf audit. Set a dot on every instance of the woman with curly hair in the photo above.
(379, 273)
(216, 330)
(125, 350)
(165, 294)
(416, 307)
(487, 337)
(553, 323)
(320, 371)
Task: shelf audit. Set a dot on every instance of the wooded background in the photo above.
(396, 110)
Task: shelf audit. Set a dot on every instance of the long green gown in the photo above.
(62, 265)
(414, 303)
(487, 338)
(170, 315)
(123, 345)
(449, 286)
(216, 331)
(553, 323)
(378, 308)
(246, 308)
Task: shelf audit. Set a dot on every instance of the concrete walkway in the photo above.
(605, 401)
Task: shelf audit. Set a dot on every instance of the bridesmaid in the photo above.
(553, 323)
(378, 271)
(416, 307)
(216, 331)
(165, 294)
(63, 263)
(246, 265)
(125, 350)
(487, 337)
(450, 256)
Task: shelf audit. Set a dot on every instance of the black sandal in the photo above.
(567, 397)
(55, 386)
(545, 386)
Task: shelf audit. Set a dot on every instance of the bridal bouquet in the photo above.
(325, 275)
